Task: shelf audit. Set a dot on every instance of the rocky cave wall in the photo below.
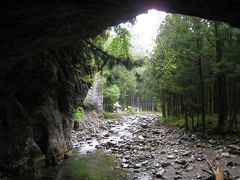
(43, 66)
(37, 109)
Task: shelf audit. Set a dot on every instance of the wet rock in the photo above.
(181, 161)
(175, 151)
(211, 141)
(165, 164)
(124, 165)
(127, 157)
(140, 137)
(186, 153)
(107, 135)
(177, 177)
(160, 172)
(170, 156)
(137, 166)
(156, 165)
(199, 145)
(144, 163)
(163, 152)
(189, 168)
(198, 176)
(234, 149)
(233, 146)
(155, 132)
(144, 126)
(136, 170)
(225, 154)
(231, 163)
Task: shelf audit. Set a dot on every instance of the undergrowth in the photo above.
(79, 114)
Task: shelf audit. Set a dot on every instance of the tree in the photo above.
(193, 70)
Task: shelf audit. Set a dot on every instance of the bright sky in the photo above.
(144, 31)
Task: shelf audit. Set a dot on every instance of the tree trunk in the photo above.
(202, 85)
(221, 79)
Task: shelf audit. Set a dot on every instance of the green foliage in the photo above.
(120, 45)
(172, 121)
(185, 70)
(130, 110)
(124, 79)
(211, 122)
(112, 93)
(110, 115)
(79, 114)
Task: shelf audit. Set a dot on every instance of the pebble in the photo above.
(170, 156)
(225, 154)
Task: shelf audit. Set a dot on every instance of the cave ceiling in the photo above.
(28, 27)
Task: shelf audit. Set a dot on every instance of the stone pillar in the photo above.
(95, 96)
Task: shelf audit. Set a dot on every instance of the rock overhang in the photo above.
(28, 27)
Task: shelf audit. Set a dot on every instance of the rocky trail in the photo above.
(147, 150)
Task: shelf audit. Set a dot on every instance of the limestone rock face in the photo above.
(42, 72)
(95, 95)
(37, 107)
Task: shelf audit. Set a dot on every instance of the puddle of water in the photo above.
(94, 166)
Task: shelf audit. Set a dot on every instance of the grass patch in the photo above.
(211, 123)
(172, 121)
(111, 115)
(79, 114)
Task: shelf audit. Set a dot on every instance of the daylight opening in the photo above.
(166, 81)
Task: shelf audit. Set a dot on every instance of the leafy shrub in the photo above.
(79, 114)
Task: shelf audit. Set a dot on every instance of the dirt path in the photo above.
(147, 150)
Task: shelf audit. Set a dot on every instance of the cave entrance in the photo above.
(48, 63)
